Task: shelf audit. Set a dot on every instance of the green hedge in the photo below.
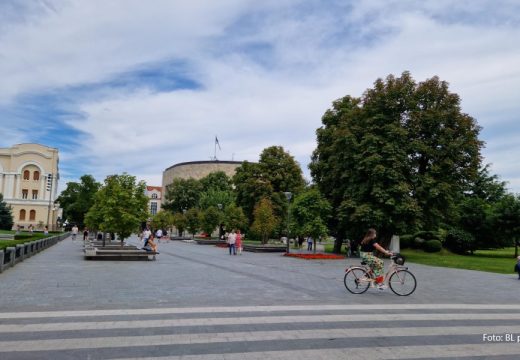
(405, 241)
(432, 246)
(427, 235)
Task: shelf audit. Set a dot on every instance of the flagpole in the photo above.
(215, 152)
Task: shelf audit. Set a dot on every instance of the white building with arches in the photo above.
(154, 194)
(29, 175)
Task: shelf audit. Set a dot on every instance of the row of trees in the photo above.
(254, 200)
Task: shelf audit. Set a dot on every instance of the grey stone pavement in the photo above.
(198, 302)
(186, 274)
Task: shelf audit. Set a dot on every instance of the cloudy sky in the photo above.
(137, 86)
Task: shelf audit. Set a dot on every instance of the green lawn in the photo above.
(498, 261)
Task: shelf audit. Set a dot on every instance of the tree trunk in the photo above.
(337, 245)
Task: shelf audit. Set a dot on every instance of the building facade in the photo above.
(154, 194)
(29, 175)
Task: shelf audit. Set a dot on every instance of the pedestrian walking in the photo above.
(239, 242)
(159, 234)
(231, 240)
(74, 232)
(309, 243)
(85, 234)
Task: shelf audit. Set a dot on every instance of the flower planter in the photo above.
(318, 256)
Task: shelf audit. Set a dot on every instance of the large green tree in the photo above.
(506, 221)
(265, 220)
(77, 198)
(192, 220)
(275, 173)
(234, 218)
(163, 220)
(182, 194)
(210, 218)
(398, 158)
(309, 214)
(217, 180)
(216, 189)
(120, 206)
(6, 216)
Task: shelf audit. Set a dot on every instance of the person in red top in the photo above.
(238, 242)
(368, 245)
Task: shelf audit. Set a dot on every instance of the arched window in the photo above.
(36, 175)
(32, 215)
(26, 175)
(22, 215)
(154, 196)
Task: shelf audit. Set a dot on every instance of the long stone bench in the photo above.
(119, 254)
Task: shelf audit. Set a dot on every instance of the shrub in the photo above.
(432, 246)
(405, 241)
(459, 241)
(418, 243)
(427, 235)
(22, 236)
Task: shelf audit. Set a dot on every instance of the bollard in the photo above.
(12, 255)
(20, 251)
(27, 250)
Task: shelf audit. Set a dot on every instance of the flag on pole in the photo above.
(217, 143)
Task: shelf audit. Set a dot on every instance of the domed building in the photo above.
(197, 170)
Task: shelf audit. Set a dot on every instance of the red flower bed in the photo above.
(316, 256)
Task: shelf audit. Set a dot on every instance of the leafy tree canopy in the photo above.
(77, 198)
(398, 158)
(192, 220)
(276, 172)
(217, 180)
(234, 218)
(210, 219)
(182, 194)
(162, 220)
(265, 221)
(6, 216)
(120, 206)
(309, 214)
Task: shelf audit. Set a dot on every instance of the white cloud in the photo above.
(309, 56)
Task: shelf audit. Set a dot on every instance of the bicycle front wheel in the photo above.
(356, 280)
(402, 282)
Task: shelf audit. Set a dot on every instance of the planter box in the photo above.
(264, 248)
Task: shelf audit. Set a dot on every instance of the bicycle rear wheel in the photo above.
(356, 280)
(402, 282)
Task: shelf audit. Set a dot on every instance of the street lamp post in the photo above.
(220, 227)
(288, 195)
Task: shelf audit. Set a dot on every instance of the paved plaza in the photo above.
(198, 302)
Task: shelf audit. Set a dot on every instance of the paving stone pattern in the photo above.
(198, 302)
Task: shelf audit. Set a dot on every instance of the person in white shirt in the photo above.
(231, 240)
(158, 235)
(74, 232)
